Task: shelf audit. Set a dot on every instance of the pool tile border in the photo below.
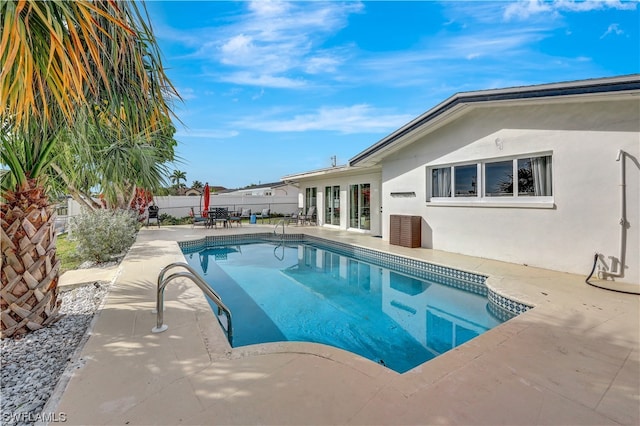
(500, 306)
(507, 304)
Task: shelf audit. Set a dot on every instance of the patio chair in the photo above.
(293, 217)
(309, 217)
(153, 213)
(245, 214)
(198, 220)
(235, 217)
(266, 214)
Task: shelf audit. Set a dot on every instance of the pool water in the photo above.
(302, 292)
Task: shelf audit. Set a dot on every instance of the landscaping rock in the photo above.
(33, 364)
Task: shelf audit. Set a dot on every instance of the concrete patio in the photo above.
(574, 359)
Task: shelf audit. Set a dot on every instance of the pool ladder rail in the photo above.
(275, 229)
(275, 232)
(197, 279)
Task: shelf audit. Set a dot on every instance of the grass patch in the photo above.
(67, 253)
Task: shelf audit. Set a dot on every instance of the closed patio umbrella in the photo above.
(206, 194)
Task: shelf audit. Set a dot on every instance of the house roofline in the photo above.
(553, 90)
(313, 173)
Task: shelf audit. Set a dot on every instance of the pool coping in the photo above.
(524, 341)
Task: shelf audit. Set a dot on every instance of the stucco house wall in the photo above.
(582, 135)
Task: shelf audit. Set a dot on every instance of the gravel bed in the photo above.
(33, 364)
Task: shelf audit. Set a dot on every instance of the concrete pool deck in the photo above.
(573, 359)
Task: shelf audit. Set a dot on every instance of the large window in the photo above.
(332, 205)
(491, 179)
(360, 206)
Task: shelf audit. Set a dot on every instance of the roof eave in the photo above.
(323, 173)
(456, 104)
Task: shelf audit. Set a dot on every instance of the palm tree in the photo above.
(196, 184)
(60, 61)
(178, 176)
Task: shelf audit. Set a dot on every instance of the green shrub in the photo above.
(103, 235)
(166, 219)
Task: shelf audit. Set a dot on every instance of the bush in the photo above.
(166, 219)
(104, 234)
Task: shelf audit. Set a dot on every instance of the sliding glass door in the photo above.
(332, 205)
(310, 199)
(360, 206)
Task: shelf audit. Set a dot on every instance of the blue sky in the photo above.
(276, 88)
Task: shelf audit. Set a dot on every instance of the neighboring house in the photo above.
(193, 192)
(265, 190)
(569, 144)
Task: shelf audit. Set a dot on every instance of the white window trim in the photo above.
(481, 199)
(538, 203)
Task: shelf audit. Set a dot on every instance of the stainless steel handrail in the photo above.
(202, 284)
(185, 266)
(275, 229)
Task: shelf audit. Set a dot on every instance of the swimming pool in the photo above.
(387, 309)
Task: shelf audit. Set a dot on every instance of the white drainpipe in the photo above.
(623, 220)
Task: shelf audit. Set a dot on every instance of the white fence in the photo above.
(180, 206)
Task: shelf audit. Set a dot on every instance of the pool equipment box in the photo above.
(405, 231)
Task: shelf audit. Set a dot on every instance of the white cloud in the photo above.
(527, 8)
(276, 44)
(588, 5)
(262, 80)
(236, 48)
(207, 133)
(524, 9)
(320, 64)
(258, 95)
(187, 93)
(443, 56)
(360, 118)
(613, 29)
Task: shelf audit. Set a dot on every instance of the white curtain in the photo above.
(441, 185)
(541, 167)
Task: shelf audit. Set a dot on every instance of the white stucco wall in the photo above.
(583, 138)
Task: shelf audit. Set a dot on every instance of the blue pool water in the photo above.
(302, 292)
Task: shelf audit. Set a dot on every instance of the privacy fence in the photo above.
(180, 206)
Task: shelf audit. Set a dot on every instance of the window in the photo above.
(534, 176)
(494, 179)
(498, 179)
(441, 182)
(466, 180)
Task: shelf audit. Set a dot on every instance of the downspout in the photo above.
(623, 220)
(604, 274)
